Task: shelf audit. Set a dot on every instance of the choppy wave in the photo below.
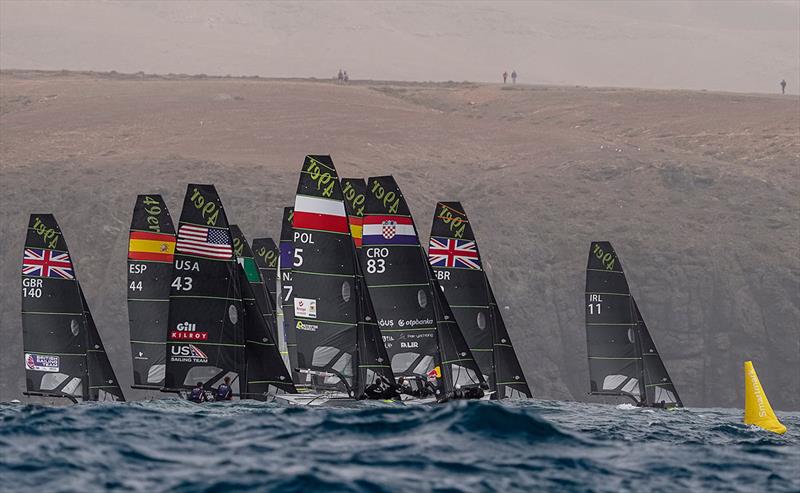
(172, 445)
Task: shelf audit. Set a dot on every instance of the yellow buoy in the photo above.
(757, 410)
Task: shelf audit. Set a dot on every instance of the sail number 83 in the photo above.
(376, 264)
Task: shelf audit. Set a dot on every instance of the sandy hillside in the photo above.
(698, 192)
(732, 45)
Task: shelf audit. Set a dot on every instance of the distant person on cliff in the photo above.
(505, 77)
(340, 76)
(346, 77)
(514, 76)
(783, 86)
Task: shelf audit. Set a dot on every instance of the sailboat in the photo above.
(757, 410)
(151, 248)
(267, 375)
(453, 253)
(422, 337)
(623, 359)
(205, 334)
(338, 343)
(64, 354)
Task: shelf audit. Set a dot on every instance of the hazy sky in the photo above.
(725, 45)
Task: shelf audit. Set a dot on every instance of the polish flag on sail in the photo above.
(320, 214)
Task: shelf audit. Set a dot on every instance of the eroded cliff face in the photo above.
(697, 192)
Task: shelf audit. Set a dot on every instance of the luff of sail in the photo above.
(286, 314)
(205, 339)
(265, 370)
(617, 336)
(398, 278)
(325, 303)
(509, 381)
(55, 328)
(757, 409)
(151, 248)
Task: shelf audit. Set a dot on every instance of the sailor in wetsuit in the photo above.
(198, 394)
(382, 388)
(224, 392)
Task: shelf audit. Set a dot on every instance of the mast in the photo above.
(205, 340)
(323, 275)
(617, 337)
(151, 249)
(267, 254)
(266, 373)
(286, 313)
(454, 254)
(57, 330)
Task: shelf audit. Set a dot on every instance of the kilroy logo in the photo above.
(389, 229)
(186, 331)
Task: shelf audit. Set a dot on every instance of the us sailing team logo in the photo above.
(41, 262)
(389, 230)
(452, 252)
(188, 353)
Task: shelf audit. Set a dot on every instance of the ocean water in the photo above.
(172, 445)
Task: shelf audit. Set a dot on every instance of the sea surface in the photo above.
(172, 445)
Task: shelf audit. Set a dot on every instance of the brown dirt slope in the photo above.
(697, 191)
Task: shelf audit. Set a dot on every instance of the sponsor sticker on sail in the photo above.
(435, 373)
(42, 362)
(305, 307)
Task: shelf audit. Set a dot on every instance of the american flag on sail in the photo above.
(452, 252)
(47, 263)
(205, 242)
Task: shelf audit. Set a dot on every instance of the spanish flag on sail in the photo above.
(757, 410)
(356, 227)
(151, 247)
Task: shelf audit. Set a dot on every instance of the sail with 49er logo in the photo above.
(205, 333)
(63, 353)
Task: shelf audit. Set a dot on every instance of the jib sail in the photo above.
(325, 302)
(265, 370)
(453, 253)
(103, 383)
(205, 339)
(354, 193)
(286, 322)
(267, 256)
(151, 248)
(56, 332)
(397, 275)
(617, 338)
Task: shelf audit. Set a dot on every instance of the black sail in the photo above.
(286, 322)
(267, 257)
(325, 300)
(354, 191)
(659, 389)
(615, 333)
(205, 339)
(397, 274)
(265, 369)
(103, 383)
(55, 328)
(453, 252)
(151, 249)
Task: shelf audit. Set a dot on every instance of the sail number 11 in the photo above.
(595, 302)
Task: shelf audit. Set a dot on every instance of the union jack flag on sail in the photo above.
(452, 252)
(41, 262)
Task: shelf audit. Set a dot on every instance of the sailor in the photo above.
(224, 392)
(198, 394)
(381, 388)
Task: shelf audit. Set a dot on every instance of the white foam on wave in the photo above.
(626, 407)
